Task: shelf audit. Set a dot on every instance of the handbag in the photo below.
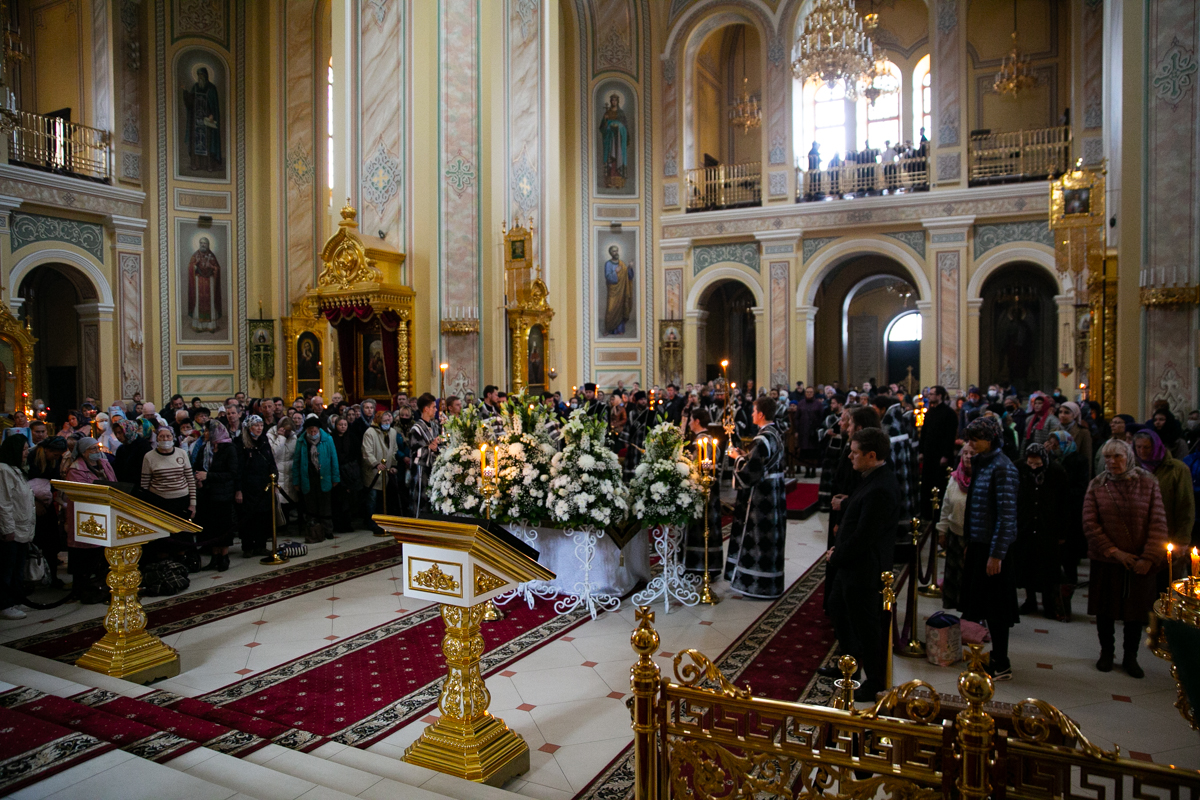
(943, 639)
(291, 549)
(36, 568)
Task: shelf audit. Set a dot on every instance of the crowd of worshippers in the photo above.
(1028, 486)
(903, 166)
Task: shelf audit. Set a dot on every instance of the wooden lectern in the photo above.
(461, 564)
(121, 523)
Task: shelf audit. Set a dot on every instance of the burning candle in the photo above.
(1195, 563)
(482, 458)
(1170, 552)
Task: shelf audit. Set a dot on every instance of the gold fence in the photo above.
(907, 174)
(725, 186)
(54, 144)
(1003, 157)
(699, 736)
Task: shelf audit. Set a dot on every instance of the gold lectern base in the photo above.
(485, 750)
(141, 658)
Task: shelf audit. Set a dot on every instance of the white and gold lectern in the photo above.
(462, 564)
(121, 524)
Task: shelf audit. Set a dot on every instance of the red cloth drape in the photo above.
(350, 322)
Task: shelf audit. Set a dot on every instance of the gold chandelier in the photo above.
(879, 80)
(1015, 74)
(745, 113)
(833, 46)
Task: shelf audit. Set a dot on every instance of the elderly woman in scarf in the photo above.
(950, 529)
(1041, 422)
(1175, 481)
(127, 462)
(217, 478)
(1121, 427)
(1170, 431)
(85, 561)
(1074, 424)
(1060, 445)
(1041, 531)
(1126, 530)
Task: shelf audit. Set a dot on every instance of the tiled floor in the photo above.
(585, 674)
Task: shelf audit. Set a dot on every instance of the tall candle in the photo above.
(1170, 552)
(482, 457)
(1195, 563)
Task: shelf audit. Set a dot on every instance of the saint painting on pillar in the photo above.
(204, 281)
(616, 283)
(615, 109)
(202, 122)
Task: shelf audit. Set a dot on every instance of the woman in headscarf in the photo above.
(378, 462)
(809, 412)
(255, 502)
(127, 462)
(1041, 530)
(315, 468)
(74, 424)
(216, 484)
(1175, 481)
(351, 473)
(1041, 421)
(950, 529)
(1170, 431)
(167, 477)
(1072, 423)
(17, 520)
(1121, 427)
(283, 446)
(1126, 529)
(85, 560)
(108, 435)
(1060, 445)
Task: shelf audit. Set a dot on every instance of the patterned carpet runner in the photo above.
(33, 749)
(174, 614)
(777, 655)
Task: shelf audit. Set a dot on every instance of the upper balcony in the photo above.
(52, 144)
(992, 158)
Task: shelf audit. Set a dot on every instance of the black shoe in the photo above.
(866, 693)
(1105, 664)
(213, 563)
(1029, 607)
(1132, 668)
(223, 564)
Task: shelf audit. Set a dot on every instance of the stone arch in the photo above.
(1028, 253)
(820, 266)
(712, 276)
(94, 288)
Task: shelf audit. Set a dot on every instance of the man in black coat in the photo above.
(863, 550)
(672, 407)
(938, 438)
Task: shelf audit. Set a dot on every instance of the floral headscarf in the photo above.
(1158, 452)
(962, 474)
(1066, 444)
(1037, 419)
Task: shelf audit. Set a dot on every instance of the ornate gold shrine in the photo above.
(16, 363)
(529, 314)
(305, 340)
(363, 293)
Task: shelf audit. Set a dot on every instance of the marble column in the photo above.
(929, 349)
(128, 235)
(956, 364)
(95, 337)
(762, 347)
(948, 20)
(8, 293)
(802, 354)
(695, 326)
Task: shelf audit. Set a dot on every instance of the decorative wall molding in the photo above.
(914, 239)
(622, 213)
(203, 202)
(989, 236)
(811, 246)
(777, 183)
(744, 253)
(26, 229)
(778, 249)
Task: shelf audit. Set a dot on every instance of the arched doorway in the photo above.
(729, 332)
(1018, 336)
(66, 358)
(902, 348)
(858, 304)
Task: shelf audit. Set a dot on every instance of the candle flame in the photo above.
(1170, 547)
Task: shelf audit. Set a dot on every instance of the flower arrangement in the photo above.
(664, 488)
(454, 485)
(586, 490)
(523, 456)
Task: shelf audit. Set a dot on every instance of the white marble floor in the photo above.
(584, 675)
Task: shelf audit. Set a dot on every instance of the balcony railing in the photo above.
(901, 175)
(725, 186)
(1019, 155)
(53, 144)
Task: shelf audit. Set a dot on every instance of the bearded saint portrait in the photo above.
(204, 289)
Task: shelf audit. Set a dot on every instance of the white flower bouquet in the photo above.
(523, 456)
(455, 483)
(586, 490)
(664, 488)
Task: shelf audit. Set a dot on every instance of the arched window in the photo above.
(329, 129)
(826, 113)
(922, 101)
(905, 328)
(879, 122)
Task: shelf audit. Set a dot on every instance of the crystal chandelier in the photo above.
(879, 80)
(1014, 75)
(833, 46)
(745, 113)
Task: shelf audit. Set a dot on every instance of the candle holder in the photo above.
(487, 488)
(708, 465)
(274, 557)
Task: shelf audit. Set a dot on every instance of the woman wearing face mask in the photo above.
(1042, 422)
(379, 462)
(255, 503)
(1175, 480)
(349, 467)
(216, 484)
(85, 561)
(168, 478)
(1060, 446)
(950, 529)
(1072, 423)
(283, 446)
(127, 462)
(315, 469)
(108, 433)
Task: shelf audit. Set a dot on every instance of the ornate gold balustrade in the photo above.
(724, 186)
(901, 175)
(699, 736)
(1019, 155)
(54, 144)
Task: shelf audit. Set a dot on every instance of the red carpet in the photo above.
(363, 688)
(777, 655)
(802, 500)
(174, 614)
(33, 749)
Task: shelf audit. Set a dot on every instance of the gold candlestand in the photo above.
(707, 467)
(914, 648)
(273, 557)
(488, 488)
(889, 607)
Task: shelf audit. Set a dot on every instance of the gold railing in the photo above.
(54, 144)
(903, 174)
(719, 741)
(1019, 155)
(725, 186)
